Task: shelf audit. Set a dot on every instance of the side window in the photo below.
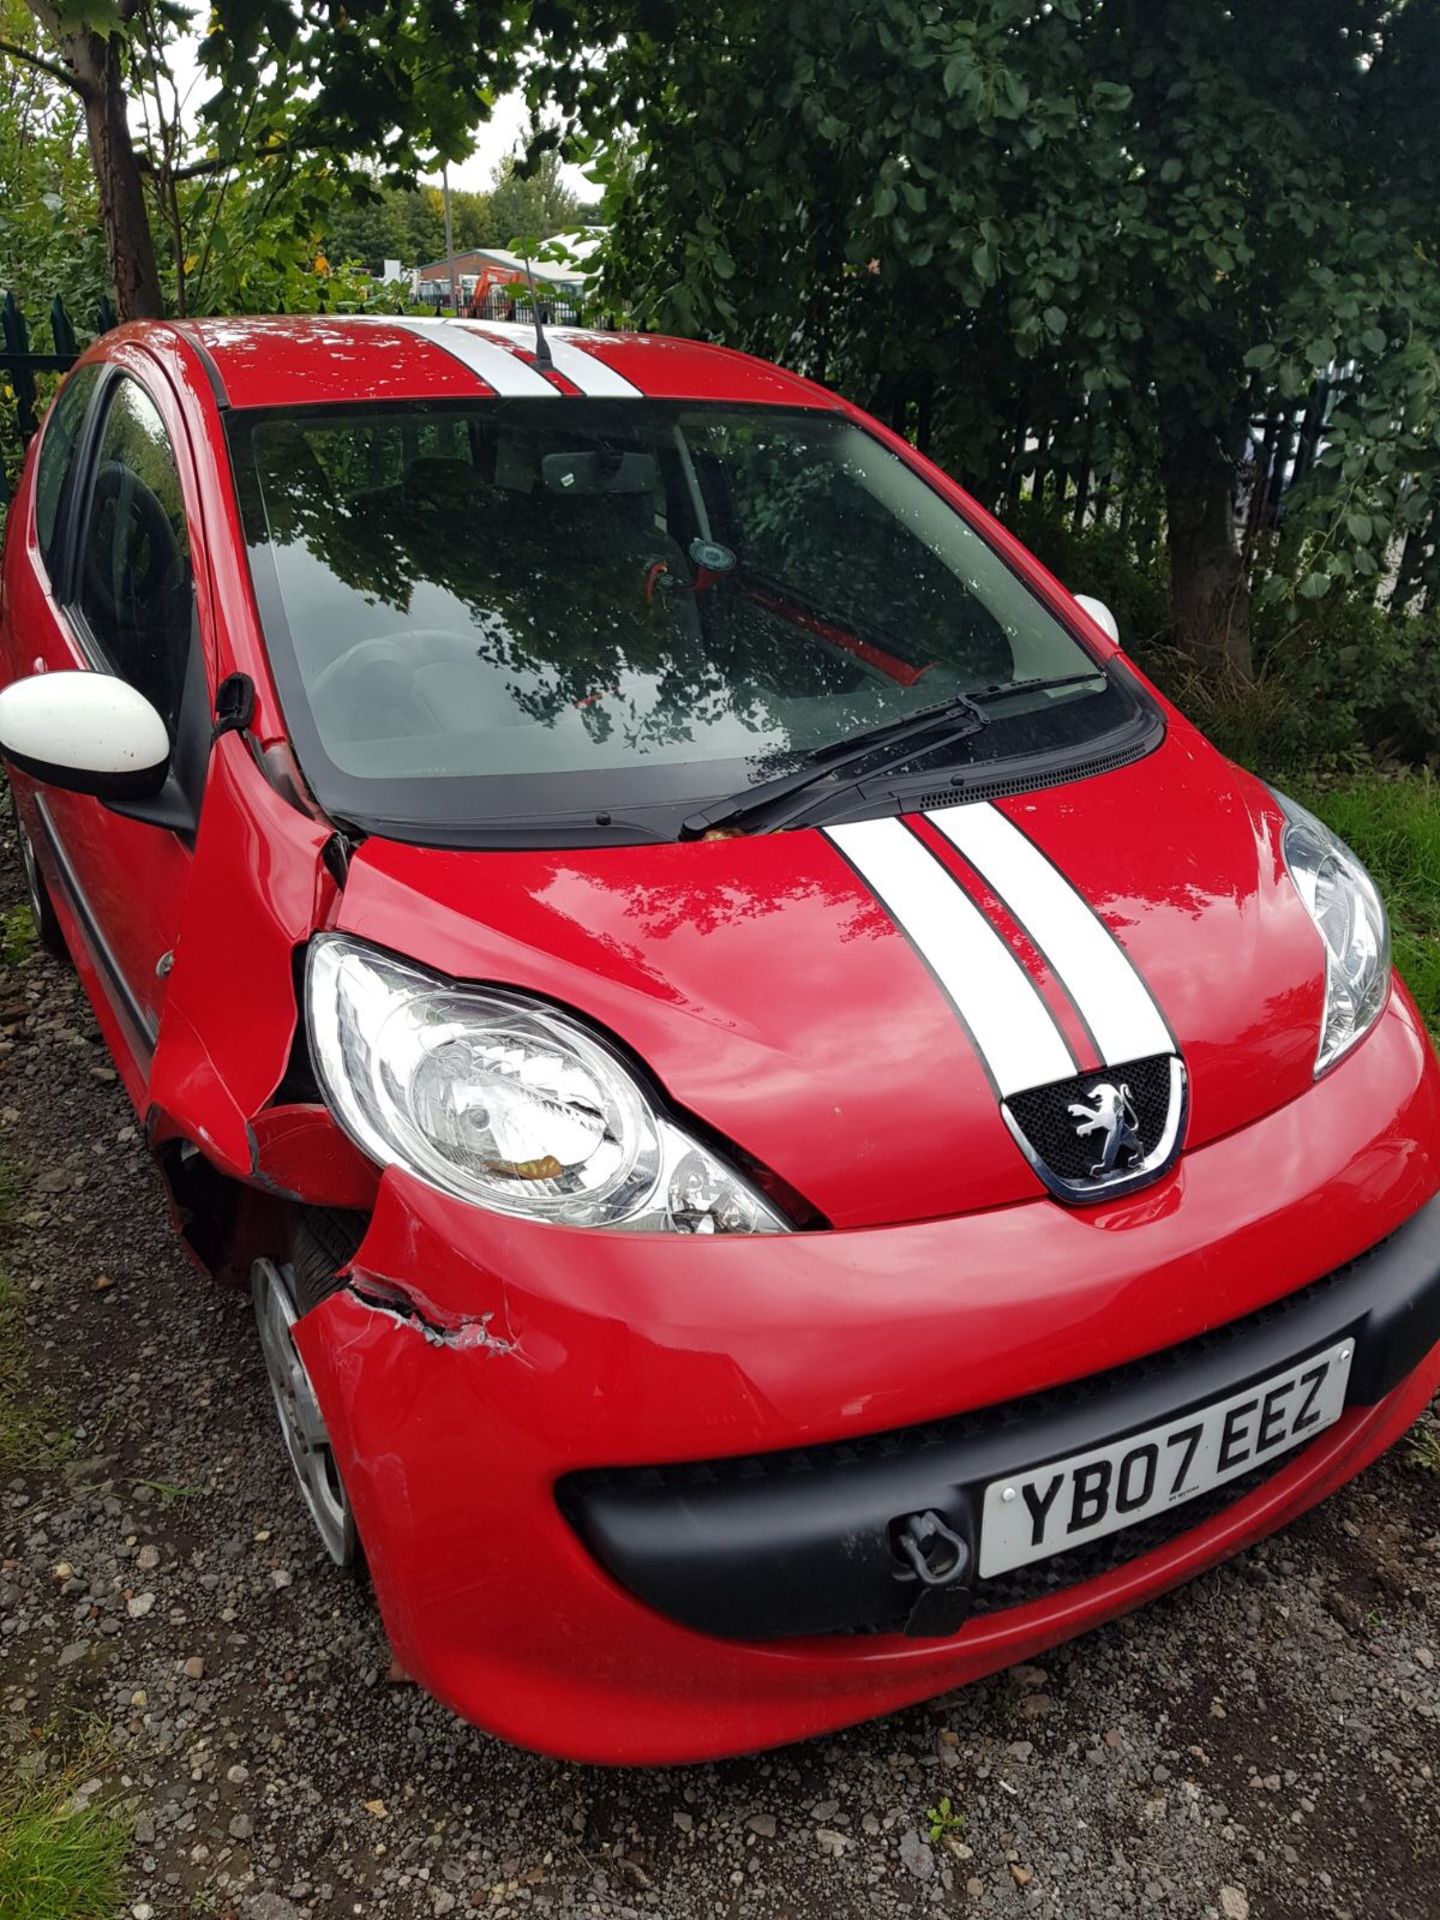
(135, 588)
(57, 445)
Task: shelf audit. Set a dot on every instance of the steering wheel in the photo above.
(383, 667)
(151, 550)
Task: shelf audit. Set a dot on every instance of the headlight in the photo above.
(1342, 900)
(504, 1101)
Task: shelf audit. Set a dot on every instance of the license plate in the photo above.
(1028, 1516)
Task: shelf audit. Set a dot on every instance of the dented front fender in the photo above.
(258, 889)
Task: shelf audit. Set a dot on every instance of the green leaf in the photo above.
(884, 202)
(1013, 96)
(1359, 527)
(1055, 318)
(1320, 352)
(1171, 171)
(1315, 586)
(960, 75)
(1261, 356)
(1373, 340)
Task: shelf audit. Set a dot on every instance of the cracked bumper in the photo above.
(543, 1351)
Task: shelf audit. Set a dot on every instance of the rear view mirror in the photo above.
(599, 472)
(86, 732)
(1100, 614)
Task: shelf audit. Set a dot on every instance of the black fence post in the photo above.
(22, 364)
(17, 350)
(61, 330)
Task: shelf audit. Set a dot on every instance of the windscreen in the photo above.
(522, 608)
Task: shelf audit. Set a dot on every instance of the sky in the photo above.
(493, 141)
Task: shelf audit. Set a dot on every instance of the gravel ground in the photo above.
(1263, 1742)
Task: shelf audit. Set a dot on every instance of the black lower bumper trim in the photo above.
(771, 1546)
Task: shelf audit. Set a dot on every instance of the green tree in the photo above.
(472, 219)
(48, 239)
(404, 223)
(369, 227)
(309, 91)
(427, 223)
(84, 49)
(1137, 221)
(531, 205)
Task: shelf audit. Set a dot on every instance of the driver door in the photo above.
(128, 607)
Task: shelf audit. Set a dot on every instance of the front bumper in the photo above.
(769, 1546)
(531, 1354)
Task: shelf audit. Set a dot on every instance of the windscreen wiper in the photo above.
(985, 695)
(774, 803)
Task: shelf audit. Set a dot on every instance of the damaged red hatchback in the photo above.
(797, 1134)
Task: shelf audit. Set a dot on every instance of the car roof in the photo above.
(321, 359)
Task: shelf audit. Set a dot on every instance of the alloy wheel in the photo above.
(307, 1440)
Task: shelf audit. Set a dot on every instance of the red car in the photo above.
(797, 1134)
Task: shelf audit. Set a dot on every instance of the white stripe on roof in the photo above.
(584, 370)
(502, 371)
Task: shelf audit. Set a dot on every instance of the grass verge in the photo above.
(57, 1861)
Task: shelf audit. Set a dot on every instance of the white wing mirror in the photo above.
(1100, 614)
(87, 732)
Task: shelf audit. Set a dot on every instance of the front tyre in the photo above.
(307, 1440)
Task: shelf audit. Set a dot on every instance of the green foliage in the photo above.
(1100, 560)
(1366, 680)
(530, 206)
(1345, 684)
(17, 936)
(1256, 721)
(388, 82)
(1423, 1450)
(308, 105)
(978, 219)
(376, 223)
(946, 1822)
(370, 222)
(49, 238)
(1348, 684)
(57, 1861)
(263, 251)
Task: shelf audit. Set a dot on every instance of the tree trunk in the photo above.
(130, 251)
(1209, 596)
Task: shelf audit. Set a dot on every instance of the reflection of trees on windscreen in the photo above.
(555, 588)
(809, 518)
